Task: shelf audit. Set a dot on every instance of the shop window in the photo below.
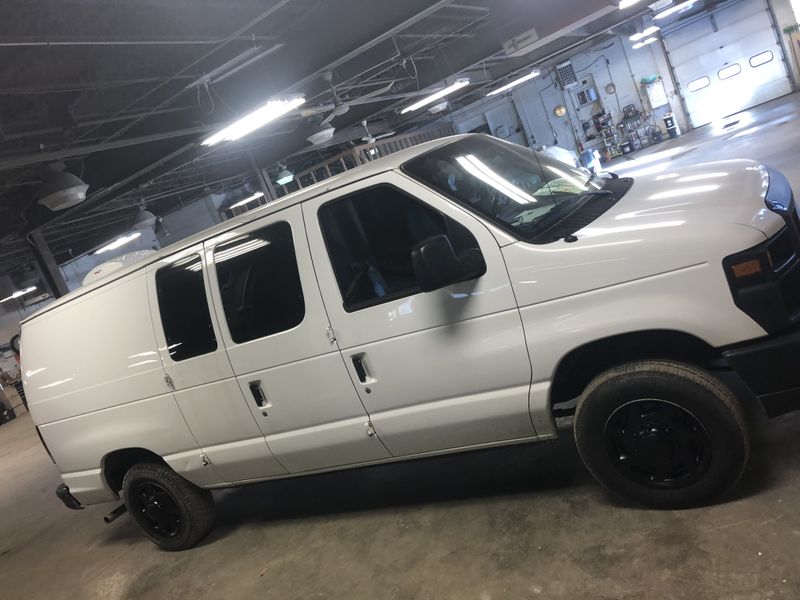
(698, 84)
(761, 58)
(259, 283)
(729, 71)
(370, 235)
(184, 309)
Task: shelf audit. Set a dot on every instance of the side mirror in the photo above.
(436, 264)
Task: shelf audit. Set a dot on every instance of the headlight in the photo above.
(764, 181)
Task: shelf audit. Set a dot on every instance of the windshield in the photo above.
(526, 193)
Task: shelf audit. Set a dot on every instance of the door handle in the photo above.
(258, 394)
(361, 370)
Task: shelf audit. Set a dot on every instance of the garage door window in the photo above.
(184, 309)
(370, 235)
(259, 283)
(729, 71)
(698, 84)
(761, 59)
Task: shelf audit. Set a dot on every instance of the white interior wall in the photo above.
(613, 61)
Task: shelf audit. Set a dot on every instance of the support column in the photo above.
(263, 180)
(53, 278)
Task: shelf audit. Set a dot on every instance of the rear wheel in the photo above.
(172, 512)
(662, 433)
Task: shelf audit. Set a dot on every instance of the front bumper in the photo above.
(63, 493)
(771, 369)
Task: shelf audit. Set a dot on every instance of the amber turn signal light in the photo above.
(747, 268)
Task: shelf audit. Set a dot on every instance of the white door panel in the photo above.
(443, 369)
(312, 417)
(217, 414)
(459, 384)
(209, 397)
(296, 385)
(701, 50)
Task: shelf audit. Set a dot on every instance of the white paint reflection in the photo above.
(686, 191)
(651, 212)
(649, 159)
(143, 354)
(667, 176)
(702, 177)
(589, 232)
(34, 371)
(56, 383)
(142, 362)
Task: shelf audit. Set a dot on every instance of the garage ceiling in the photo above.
(123, 92)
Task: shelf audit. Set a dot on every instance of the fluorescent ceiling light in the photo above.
(515, 83)
(643, 34)
(675, 9)
(645, 43)
(272, 110)
(119, 242)
(284, 176)
(19, 293)
(460, 83)
(623, 4)
(247, 200)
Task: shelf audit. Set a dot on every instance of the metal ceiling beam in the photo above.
(71, 43)
(7, 164)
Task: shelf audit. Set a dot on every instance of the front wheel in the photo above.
(662, 433)
(172, 512)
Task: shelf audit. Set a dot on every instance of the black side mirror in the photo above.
(436, 264)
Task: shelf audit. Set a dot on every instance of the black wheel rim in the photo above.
(157, 510)
(657, 444)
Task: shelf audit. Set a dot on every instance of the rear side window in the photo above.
(184, 309)
(260, 283)
(370, 235)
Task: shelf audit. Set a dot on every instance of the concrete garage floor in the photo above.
(519, 522)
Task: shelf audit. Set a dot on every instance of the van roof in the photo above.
(381, 165)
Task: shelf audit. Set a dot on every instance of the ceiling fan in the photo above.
(371, 139)
(339, 107)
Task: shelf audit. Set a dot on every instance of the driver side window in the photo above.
(369, 236)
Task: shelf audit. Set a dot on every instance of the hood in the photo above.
(705, 196)
(666, 222)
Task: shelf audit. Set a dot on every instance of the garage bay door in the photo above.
(728, 62)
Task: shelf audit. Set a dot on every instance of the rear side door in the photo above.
(286, 363)
(439, 370)
(199, 371)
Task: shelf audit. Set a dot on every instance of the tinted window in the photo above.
(259, 283)
(370, 236)
(184, 309)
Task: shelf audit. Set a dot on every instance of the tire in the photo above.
(172, 512)
(662, 433)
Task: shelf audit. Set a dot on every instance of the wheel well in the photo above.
(586, 362)
(117, 463)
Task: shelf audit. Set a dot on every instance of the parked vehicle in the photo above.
(441, 299)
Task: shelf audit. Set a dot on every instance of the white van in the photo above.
(442, 299)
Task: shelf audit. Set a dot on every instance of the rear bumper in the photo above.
(771, 369)
(63, 493)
